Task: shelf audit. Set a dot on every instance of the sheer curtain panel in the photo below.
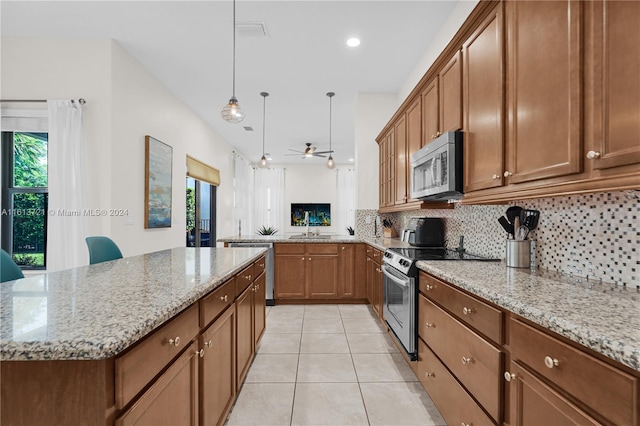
(269, 199)
(242, 197)
(346, 189)
(66, 232)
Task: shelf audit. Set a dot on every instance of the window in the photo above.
(23, 217)
(201, 214)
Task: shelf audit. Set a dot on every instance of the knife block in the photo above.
(389, 233)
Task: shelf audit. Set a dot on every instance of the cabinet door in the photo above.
(391, 168)
(218, 369)
(544, 89)
(414, 137)
(244, 333)
(322, 276)
(259, 307)
(401, 162)
(483, 78)
(289, 276)
(377, 289)
(172, 399)
(450, 91)
(615, 66)
(430, 124)
(535, 403)
(370, 280)
(346, 277)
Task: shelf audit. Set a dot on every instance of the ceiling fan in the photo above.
(310, 151)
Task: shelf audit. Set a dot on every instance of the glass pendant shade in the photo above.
(263, 161)
(232, 112)
(330, 163)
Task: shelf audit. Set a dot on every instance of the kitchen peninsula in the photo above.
(100, 344)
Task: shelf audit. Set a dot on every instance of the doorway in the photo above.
(201, 214)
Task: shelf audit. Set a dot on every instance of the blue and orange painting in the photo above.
(159, 167)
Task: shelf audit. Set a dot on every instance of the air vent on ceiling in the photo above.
(251, 29)
(248, 128)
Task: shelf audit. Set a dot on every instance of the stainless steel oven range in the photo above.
(400, 286)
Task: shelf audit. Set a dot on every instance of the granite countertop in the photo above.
(602, 317)
(97, 311)
(379, 243)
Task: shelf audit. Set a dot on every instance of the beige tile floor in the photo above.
(330, 365)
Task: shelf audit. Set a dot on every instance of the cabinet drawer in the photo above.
(322, 248)
(369, 251)
(474, 361)
(172, 400)
(259, 266)
(470, 310)
(377, 255)
(289, 248)
(136, 368)
(453, 402)
(244, 278)
(212, 305)
(603, 388)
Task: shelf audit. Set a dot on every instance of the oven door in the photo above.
(400, 308)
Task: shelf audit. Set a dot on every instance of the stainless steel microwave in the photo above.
(436, 169)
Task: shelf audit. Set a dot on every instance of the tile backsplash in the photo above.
(595, 235)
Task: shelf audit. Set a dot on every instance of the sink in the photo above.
(309, 237)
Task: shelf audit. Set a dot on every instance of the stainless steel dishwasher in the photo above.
(268, 268)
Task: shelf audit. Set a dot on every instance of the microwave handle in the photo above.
(434, 169)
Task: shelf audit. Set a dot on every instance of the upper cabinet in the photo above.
(547, 94)
(544, 84)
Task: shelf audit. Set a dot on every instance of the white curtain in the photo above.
(242, 197)
(346, 189)
(66, 247)
(269, 199)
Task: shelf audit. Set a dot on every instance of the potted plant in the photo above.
(389, 231)
(267, 230)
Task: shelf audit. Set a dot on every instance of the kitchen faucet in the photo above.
(306, 222)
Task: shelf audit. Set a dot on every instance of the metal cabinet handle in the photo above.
(200, 353)
(430, 374)
(509, 376)
(507, 174)
(303, 258)
(466, 360)
(496, 177)
(466, 424)
(429, 325)
(428, 287)
(208, 344)
(592, 155)
(343, 247)
(261, 265)
(467, 311)
(175, 341)
(551, 362)
(224, 298)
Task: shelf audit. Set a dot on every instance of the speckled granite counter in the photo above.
(602, 317)
(379, 243)
(96, 311)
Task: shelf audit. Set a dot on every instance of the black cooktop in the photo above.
(437, 253)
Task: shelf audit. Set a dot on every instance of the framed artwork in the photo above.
(157, 185)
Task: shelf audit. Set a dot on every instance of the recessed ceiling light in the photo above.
(353, 42)
(351, 160)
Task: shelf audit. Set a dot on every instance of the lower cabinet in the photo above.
(259, 308)
(374, 280)
(218, 369)
(245, 342)
(172, 399)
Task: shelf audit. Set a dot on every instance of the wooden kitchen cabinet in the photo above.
(259, 307)
(218, 369)
(321, 275)
(430, 116)
(387, 168)
(544, 90)
(245, 343)
(613, 86)
(172, 399)
(483, 87)
(374, 280)
(401, 160)
(289, 271)
(346, 271)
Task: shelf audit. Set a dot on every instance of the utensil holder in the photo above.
(518, 253)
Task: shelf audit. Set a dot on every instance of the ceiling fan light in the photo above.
(232, 112)
(330, 163)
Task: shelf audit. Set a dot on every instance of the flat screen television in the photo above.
(319, 214)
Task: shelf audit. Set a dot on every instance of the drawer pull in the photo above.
(466, 360)
(429, 287)
(200, 353)
(261, 265)
(175, 342)
(248, 277)
(467, 311)
(466, 424)
(342, 247)
(509, 376)
(208, 344)
(592, 155)
(430, 374)
(551, 362)
(429, 325)
(224, 298)
(303, 258)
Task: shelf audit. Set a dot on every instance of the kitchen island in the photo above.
(78, 345)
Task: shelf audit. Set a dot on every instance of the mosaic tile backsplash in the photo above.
(594, 235)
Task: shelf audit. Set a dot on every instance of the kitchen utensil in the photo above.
(512, 213)
(506, 225)
(516, 227)
(522, 233)
(529, 218)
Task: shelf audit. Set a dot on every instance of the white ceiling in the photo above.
(188, 46)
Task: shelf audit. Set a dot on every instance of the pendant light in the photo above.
(232, 112)
(263, 160)
(330, 163)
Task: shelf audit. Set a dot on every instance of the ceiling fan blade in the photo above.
(318, 155)
(322, 152)
(295, 150)
(291, 154)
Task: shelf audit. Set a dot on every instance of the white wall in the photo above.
(124, 103)
(372, 112)
(449, 28)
